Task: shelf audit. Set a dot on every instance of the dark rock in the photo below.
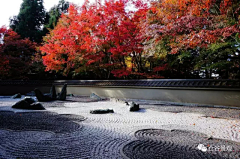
(39, 94)
(53, 94)
(16, 96)
(29, 100)
(63, 93)
(101, 111)
(22, 104)
(133, 106)
(37, 106)
(41, 97)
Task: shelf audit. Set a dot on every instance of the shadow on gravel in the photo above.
(179, 144)
(40, 121)
(208, 112)
(96, 140)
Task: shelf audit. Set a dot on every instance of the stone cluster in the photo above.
(52, 95)
(28, 103)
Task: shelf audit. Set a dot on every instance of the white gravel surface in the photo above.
(108, 133)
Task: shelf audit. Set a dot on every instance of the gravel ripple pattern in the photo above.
(157, 143)
(68, 130)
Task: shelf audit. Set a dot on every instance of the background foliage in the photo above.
(158, 39)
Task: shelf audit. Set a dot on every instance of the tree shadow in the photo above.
(48, 121)
(96, 140)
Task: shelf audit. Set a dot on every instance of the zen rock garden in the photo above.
(68, 126)
(52, 95)
(132, 106)
(31, 104)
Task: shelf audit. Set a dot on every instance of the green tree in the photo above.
(30, 20)
(55, 12)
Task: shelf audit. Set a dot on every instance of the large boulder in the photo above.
(18, 95)
(41, 97)
(22, 104)
(53, 94)
(39, 94)
(63, 93)
(28, 103)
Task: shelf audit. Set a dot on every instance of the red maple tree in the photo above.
(15, 55)
(98, 38)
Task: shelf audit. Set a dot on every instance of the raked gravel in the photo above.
(66, 129)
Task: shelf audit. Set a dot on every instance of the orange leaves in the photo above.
(225, 4)
(101, 37)
(184, 25)
(174, 50)
(195, 7)
(170, 10)
(205, 37)
(191, 23)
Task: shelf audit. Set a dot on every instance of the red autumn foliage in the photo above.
(195, 23)
(106, 39)
(15, 55)
(96, 34)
